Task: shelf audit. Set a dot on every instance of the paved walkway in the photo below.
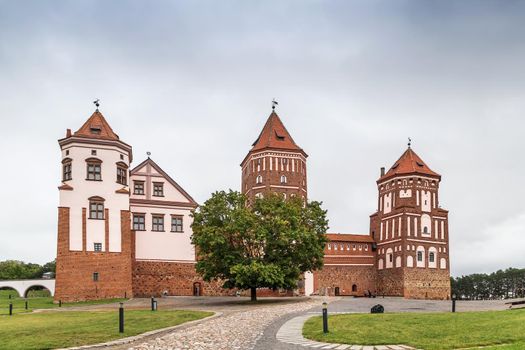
(292, 333)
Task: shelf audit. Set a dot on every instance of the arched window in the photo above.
(420, 256)
(122, 173)
(380, 264)
(354, 288)
(283, 179)
(66, 169)
(329, 246)
(443, 263)
(258, 195)
(258, 179)
(432, 257)
(94, 169)
(426, 224)
(96, 208)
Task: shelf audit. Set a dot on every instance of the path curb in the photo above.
(137, 337)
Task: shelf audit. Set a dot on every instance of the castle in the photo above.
(124, 233)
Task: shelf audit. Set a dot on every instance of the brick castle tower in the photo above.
(94, 253)
(274, 163)
(411, 231)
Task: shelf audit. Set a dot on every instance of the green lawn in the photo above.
(425, 330)
(38, 302)
(73, 328)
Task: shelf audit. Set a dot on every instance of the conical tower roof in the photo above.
(409, 163)
(274, 135)
(97, 127)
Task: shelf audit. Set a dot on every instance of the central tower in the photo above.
(275, 163)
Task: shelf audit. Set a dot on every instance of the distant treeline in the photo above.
(497, 285)
(19, 270)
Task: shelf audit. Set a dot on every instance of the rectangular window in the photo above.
(94, 171)
(98, 247)
(66, 171)
(122, 177)
(158, 223)
(95, 276)
(138, 187)
(139, 222)
(158, 189)
(419, 256)
(96, 210)
(431, 257)
(176, 224)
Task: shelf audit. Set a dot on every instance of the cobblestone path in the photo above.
(230, 331)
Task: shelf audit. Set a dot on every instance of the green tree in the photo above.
(268, 243)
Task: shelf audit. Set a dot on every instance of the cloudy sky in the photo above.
(192, 83)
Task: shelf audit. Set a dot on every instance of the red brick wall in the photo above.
(74, 269)
(344, 277)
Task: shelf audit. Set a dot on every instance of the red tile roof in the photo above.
(275, 135)
(346, 237)
(409, 163)
(97, 127)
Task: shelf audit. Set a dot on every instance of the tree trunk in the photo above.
(253, 293)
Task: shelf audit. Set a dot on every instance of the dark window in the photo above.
(67, 152)
(176, 223)
(158, 189)
(96, 209)
(94, 171)
(98, 247)
(93, 152)
(425, 229)
(354, 288)
(95, 276)
(122, 157)
(419, 256)
(158, 223)
(122, 177)
(390, 257)
(66, 171)
(431, 257)
(139, 222)
(138, 187)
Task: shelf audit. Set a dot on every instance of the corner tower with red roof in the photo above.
(275, 163)
(94, 252)
(411, 231)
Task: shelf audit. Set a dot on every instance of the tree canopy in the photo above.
(19, 270)
(268, 243)
(509, 283)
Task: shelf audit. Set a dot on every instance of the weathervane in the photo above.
(274, 103)
(148, 153)
(409, 142)
(97, 103)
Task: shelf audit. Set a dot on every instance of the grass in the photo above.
(51, 330)
(427, 331)
(39, 302)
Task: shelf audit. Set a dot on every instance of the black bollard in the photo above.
(152, 304)
(325, 318)
(454, 303)
(26, 304)
(60, 303)
(10, 309)
(121, 318)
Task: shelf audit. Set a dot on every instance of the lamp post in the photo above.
(121, 318)
(325, 317)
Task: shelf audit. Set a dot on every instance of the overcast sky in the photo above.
(192, 82)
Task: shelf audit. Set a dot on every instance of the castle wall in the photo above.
(345, 277)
